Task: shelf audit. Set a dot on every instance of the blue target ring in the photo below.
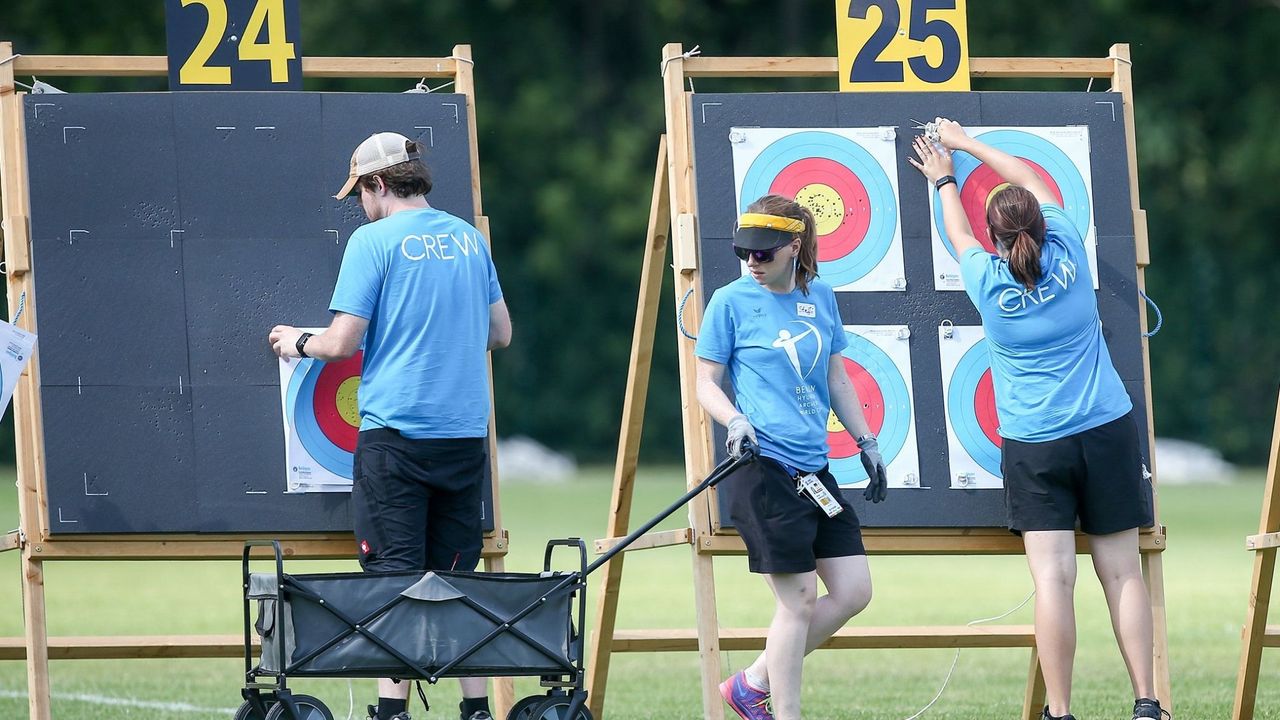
(960, 402)
(299, 402)
(1064, 174)
(897, 407)
(771, 165)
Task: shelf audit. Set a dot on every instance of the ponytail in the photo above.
(807, 260)
(1024, 259)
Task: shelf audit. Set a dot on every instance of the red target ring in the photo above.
(981, 185)
(838, 199)
(984, 408)
(329, 416)
(841, 442)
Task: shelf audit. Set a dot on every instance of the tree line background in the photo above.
(569, 108)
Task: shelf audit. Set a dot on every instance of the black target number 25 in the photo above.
(868, 67)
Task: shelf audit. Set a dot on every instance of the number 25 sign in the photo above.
(233, 44)
(902, 45)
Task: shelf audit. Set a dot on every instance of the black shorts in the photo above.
(1096, 475)
(783, 530)
(416, 504)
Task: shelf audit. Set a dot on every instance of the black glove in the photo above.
(873, 463)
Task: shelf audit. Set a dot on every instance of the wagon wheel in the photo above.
(523, 710)
(309, 708)
(557, 708)
(246, 710)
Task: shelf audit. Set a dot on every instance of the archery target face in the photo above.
(878, 360)
(1059, 155)
(849, 179)
(18, 344)
(973, 440)
(321, 421)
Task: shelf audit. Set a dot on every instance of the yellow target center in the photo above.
(347, 401)
(833, 423)
(992, 195)
(826, 205)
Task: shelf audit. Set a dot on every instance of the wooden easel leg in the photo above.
(1255, 626)
(1033, 700)
(504, 689)
(633, 406)
(1153, 572)
(1264, 571)
(704, 589)
(37, 636)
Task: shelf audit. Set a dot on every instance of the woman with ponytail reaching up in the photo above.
(1070, 450)
(779, 334)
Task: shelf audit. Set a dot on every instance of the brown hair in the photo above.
(407, 179)
(1016, 225)
(807, 261)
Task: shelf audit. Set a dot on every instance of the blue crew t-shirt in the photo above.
(1050, 367)
(777, 349)
(424, 279)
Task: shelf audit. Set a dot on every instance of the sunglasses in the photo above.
(761, 256)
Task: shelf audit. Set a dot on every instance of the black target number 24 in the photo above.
(869, 65)
(233, 44)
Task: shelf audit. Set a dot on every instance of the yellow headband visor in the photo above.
(772, 222)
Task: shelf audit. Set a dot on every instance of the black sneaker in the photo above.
(1148, 708)
(480, 715)
(1046, 716)
(373, 714)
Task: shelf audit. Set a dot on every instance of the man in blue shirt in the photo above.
(418, 287)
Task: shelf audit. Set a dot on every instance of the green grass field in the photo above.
(1206, 570)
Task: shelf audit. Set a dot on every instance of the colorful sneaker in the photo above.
(1148, 708)
(748, 702)
(1047, 716)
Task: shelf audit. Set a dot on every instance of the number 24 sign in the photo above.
(233, 44)
(902, 45)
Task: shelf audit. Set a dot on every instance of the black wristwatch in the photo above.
(302, 344)
(944, 180)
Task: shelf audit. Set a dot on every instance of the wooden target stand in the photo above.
(1257, 633)
(673, 209)
(33, 537)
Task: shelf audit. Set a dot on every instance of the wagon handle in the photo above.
(566, 542)
(721, 471)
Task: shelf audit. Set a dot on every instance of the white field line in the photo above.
(127, 702)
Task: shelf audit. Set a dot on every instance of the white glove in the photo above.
(739, 430)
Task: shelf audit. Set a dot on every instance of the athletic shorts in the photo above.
(1096, 476)
(416, 504)
(783, 530)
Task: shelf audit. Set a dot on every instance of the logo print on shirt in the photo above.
(789, 342)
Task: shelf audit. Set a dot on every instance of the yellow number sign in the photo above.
(902, 45)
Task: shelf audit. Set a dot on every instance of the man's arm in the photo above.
(339, 342)
(499, 325)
